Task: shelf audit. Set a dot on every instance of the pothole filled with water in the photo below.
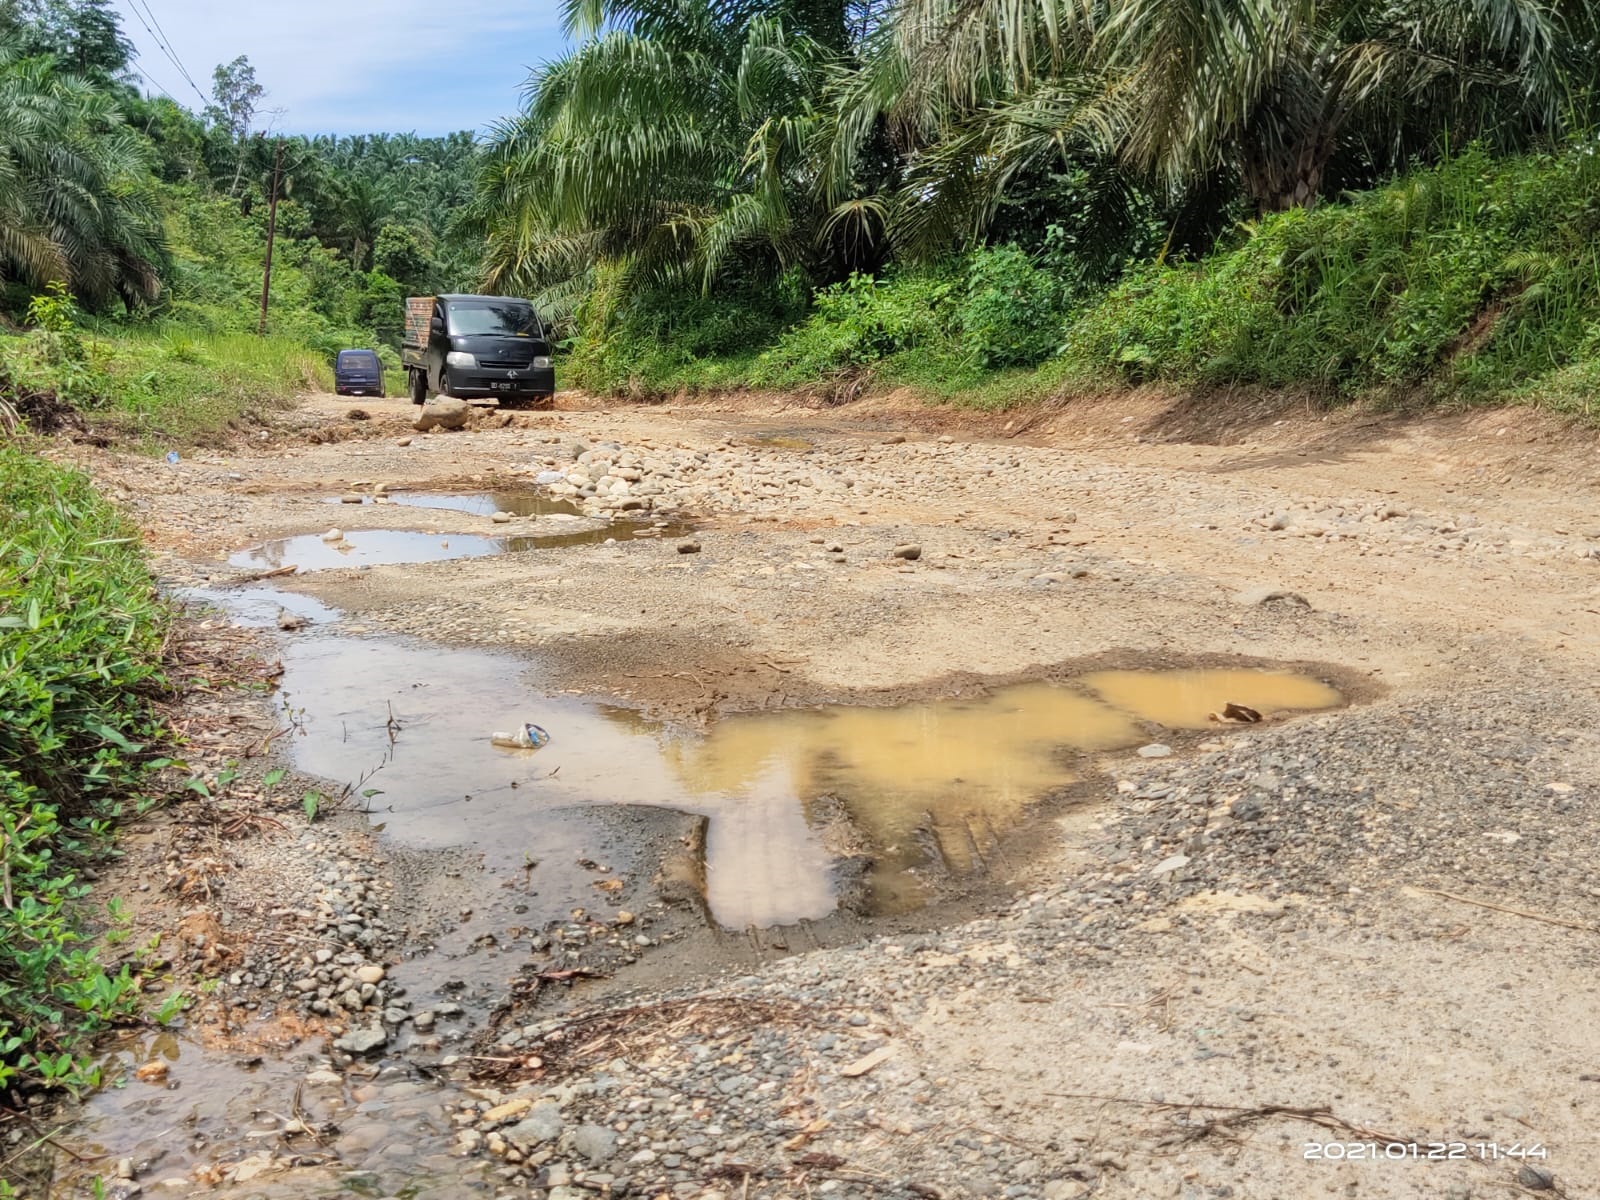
(259, 607)
(478, 504)
(379, 547)
(872, 808)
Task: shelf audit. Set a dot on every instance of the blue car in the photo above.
(358, 373)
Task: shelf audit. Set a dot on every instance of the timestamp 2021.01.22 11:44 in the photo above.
(1426, 1151)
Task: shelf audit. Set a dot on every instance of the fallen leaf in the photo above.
(862, 1065)
(806, 1134)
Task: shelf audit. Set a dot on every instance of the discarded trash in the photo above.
(546, 478)
(529, 737)
(333, 535)
(172, 456)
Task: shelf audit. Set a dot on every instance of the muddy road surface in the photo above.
(748, 800)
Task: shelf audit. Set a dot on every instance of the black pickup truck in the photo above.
(477, 348)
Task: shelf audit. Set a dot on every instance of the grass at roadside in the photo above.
(81, 638)
(172, 383)
(155, 383)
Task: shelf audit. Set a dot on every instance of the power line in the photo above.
(163, 46)
(160, 46)
(163, 42)
(157, 84)
(156, 21)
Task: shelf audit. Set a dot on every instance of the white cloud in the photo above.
(357, 65)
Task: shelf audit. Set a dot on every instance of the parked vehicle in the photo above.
(357, 373)
(477, 348)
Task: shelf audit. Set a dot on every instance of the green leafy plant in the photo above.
(1010, 311)
(860, 322)
(81, 631)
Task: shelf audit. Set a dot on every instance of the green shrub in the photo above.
(81, 636)
(862, 321)
(657, 342)
(1010, 312)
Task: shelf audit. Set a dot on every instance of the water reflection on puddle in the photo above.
(479, 504)
(377, 547)
(258, 607)
(927, 788)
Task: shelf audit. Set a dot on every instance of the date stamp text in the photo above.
(1425, 1151)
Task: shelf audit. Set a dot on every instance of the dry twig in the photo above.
(1515, 912)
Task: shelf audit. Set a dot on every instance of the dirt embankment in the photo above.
(1349, 952)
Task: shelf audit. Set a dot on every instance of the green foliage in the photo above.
(1010, 311)
(161, 382)
(672, 141)
(1480, 275)
(656, 342)
(85, 36)
(76, 194)
(404, 254)
(992, 309)
(234, 96)
(861, 321)
(81, 633)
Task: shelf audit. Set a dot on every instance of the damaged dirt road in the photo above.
(886, 843)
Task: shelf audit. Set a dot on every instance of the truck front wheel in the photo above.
(419, 386)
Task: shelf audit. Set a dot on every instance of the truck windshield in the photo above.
(503, 320)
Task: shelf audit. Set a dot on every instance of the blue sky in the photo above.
(354, 66)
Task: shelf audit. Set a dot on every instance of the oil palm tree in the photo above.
(76, 200)
(978, 91)
(672, 141)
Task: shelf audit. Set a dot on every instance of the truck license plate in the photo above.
(503, 387)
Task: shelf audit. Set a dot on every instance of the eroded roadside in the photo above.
(1286, 915)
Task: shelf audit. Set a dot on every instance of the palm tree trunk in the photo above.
(1284, 177)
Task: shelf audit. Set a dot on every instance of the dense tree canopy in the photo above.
(102, 188)
(687, 139)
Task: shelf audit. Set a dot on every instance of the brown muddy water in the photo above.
(922, 791)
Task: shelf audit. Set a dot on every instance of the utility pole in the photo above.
(272, 230)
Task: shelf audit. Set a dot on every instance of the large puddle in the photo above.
(378, 547)
(923, 790)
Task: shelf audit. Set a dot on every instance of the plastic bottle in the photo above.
(528, 737)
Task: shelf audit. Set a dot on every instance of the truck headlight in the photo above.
(541, 360)
(460, 358)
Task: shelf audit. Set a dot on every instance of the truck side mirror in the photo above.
(437, 325)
